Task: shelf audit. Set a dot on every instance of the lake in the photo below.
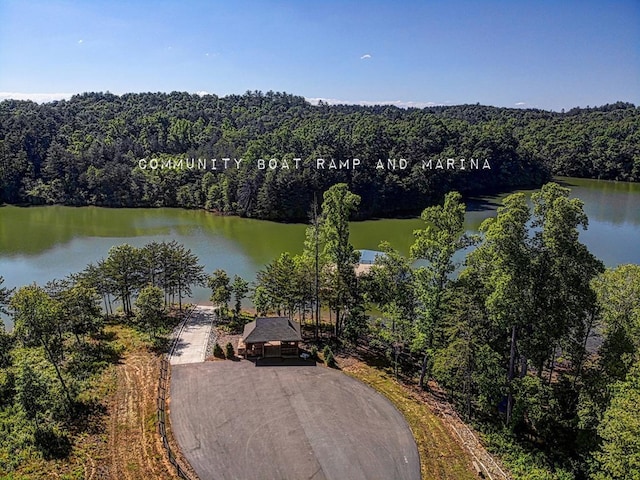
(38, 244)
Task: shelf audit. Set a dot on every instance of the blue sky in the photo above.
(545, 54)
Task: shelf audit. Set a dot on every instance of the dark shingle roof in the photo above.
(271, 329)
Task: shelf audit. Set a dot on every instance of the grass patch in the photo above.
(441, 456)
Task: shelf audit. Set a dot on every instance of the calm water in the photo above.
(38, 244)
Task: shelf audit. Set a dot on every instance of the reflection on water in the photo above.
(614, 203)
(42, 243)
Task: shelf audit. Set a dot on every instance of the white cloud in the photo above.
(369, 103)
(36, 97)
(365, 56)
(520, 104)
(80, 41)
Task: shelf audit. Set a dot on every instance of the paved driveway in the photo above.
(192, 344)
(236, 420)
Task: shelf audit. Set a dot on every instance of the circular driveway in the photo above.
(236, 420)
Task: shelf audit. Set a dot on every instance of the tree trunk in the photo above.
(317, 264)
(523, 366)
(59, 328)
(55, 365)
(511, 374)
(552, 366)
(317, 299)
(396, 355)
(423, 371)
(583, 353)
(468, 398)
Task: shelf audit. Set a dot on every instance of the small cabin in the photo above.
(269, 337)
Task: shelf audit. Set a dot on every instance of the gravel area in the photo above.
(221, 337)
(213, 338)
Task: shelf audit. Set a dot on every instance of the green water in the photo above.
(38, 244)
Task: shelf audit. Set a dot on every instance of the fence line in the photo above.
(162, 403)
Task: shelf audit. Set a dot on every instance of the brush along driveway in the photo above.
(236, 420)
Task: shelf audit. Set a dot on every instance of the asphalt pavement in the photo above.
(236, 420)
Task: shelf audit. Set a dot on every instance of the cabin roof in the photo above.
(271, 329)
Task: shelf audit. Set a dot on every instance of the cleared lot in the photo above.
(236, 420)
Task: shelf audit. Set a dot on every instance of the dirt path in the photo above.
(135, 449)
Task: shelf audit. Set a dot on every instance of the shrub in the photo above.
(314, 352)
(328, 357)
(228, 350)
(217, 351)
(325, 351)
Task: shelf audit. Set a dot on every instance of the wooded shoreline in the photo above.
(86, 151)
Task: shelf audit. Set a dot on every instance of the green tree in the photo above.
(96, 277)
(125, 269)
(618, 293)
(5, 339)
(240, 288)
(437, 243)
(151, 312)
(314, 260)
(465, 363)
(81, 311)
(229, 352)
(217, 351)
(6, 344)
(390, 285)
(329, 358)
(538, 287)
(5, 296)
(36, 322)
(279, 282)
(337, 206)
(501, 265)
(304, 281)
(220, 286)
(260, 299)
(563, 303)
(619, 455)
(187, 271)
(154, 258)
(32, 391)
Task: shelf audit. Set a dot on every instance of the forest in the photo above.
(530, 338)
(533, 341)
(87, 151)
